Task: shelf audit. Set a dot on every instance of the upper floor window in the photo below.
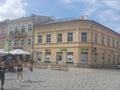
(29, 42)
(70, 37)
(84, 37)
(94, 38)
(113, 43)
(15, 42)
(59, 38)
(30, 28)
(117, 44)
(48, 38)
(16, 30)
(108, 41)
(23, 29)
(40, 39)
(22, 42)
(102, 40)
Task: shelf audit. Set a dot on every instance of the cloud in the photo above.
(11, 9)
(107, 12)
(114, 4)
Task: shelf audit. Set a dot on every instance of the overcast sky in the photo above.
(106, 12)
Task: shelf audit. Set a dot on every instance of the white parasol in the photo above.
(19, 52)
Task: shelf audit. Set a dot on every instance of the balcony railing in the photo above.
(19, 35)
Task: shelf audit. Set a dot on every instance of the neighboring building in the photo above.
(3, 33)
(76, 42)
(21, 31)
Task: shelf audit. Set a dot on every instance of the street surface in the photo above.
(74, 79)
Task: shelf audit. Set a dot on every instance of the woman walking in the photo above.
(19, 70)
(29, 67)
(2, 74)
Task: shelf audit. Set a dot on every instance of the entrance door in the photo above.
(84, 58)
(59, 57)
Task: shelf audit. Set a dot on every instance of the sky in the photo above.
(105, 12)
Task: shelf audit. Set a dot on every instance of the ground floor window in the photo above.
(39, 57)
(109, 58)
(48, 58)
(95, 58)
(113, 59)
(102, 58)
(59, 57)
(70, 57)
(84, 58)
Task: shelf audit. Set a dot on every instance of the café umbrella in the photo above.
(19, 52)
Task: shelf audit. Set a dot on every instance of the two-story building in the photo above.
(76, 42)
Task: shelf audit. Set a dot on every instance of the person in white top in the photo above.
(29, 67)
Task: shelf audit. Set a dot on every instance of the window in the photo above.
(16, 30)
(113, 43)
(108, 40)
(109, 56)
(117, 44)
(40, 39)
(69, 57)
(102, 58)
(70, 37)
(84, 37)
(102, 40)
(39, 56)
(29, 42)
(48, 39)
(59, 38)
(30, 28)
(48, 58)
(95, 38)
(22, 42)
(95, 58)
(15, 42)
(23, 29)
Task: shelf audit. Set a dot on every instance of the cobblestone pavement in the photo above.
(74, 79)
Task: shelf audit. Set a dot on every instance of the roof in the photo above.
(73, 19)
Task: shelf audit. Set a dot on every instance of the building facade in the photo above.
(21, 32)
(76, 42)
(3, 33)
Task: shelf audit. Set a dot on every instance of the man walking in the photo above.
(2, 74)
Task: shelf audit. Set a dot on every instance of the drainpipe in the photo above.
(32, 49)
(91, 44)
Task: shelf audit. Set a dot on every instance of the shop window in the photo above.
(39, 57)
(48, 58)
(70, 57)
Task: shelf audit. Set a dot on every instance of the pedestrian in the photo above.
(19, 70)
(2, 74)
(29, 67)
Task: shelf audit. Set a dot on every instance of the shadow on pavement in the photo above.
(13, 89)
(40, 81)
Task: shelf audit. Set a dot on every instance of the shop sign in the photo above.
(84, 49)
(62, 49)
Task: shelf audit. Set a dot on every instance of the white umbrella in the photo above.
(19, 52)
(2, 51)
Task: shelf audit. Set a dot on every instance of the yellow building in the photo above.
(76, 42)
